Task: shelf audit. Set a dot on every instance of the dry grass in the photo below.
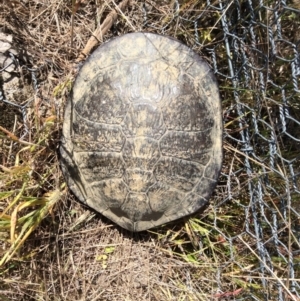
(53, 248)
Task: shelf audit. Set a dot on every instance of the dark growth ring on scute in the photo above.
(142, 136)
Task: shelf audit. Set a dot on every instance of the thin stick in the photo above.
(102, 30)
(15, 138)
(75, 6)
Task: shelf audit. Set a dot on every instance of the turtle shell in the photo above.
(142, 134)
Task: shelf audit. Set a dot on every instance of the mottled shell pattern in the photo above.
(142, 134)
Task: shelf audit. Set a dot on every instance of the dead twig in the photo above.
(75, 7)
(99, 32)
(15, 138)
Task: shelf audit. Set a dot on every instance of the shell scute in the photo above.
(89, 136)
(193, 146)
(96, 166)
(102, 106)
(144, 120)
(133, 201)
(139, 180)
(141, 153)
(178, 173)
(112, 191)
(190, 114)
(160, 193)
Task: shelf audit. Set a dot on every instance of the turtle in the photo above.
(142, 133)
